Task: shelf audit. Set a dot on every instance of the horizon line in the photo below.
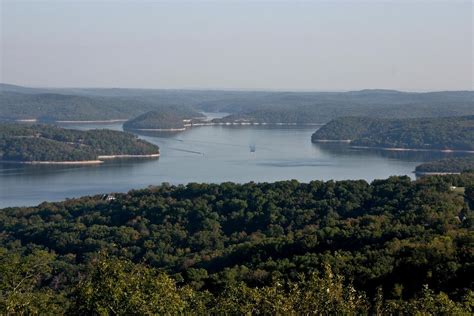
(223, 89)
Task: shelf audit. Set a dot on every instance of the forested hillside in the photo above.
(159, 120)
(51, 107)
(321, 107)
(453, 133)
(257, 106)
(22, 143)
(452, 165)
(391, 246)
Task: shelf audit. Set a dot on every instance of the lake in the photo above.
(208, 154)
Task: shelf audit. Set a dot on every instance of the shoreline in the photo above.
(106, 157)
(73, 162)
(99, 160)
(348, 141)
(415, 149)
(191, 125)
(70, 122)
(256, 123)
(331, 141)
(91, 122)
(156, 129)
(26, 120)
(434, 173)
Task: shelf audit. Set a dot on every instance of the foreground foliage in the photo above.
(346, 247)
(120, 287)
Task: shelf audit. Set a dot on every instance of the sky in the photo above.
(310, 46)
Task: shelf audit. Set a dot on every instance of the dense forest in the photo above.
(321, 107)
(453, 165)
(257, 106)
(52, 107)
(22, 142)
(391, 246)
(450, 133)
(159, 120)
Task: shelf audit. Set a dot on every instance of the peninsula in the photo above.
(449, 165)
(450, 134)
(45, 144)
(170, 119)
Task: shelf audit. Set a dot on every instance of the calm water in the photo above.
(206, 154)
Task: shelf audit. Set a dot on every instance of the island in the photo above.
(168, 118)
(47, 144)
(449, 165)
(449, 134)
(157, 121)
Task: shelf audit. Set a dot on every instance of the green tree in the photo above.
(119, 287)
(22, 284)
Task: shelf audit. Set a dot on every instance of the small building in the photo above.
(108, 197)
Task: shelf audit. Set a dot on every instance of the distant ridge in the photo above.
(101, 104)
(377, 91)
(6, 87)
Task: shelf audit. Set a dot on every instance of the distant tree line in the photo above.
(49, 105)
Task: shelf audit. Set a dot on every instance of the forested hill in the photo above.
(452, 133)
(52, 107)
(26, 143)
(257, 106)
(450, 165)
(321, 107)
(159, 120)
(348, 247)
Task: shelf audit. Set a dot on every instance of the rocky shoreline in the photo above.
(415, 149)
(73, 162)
(91, 122)
(348, 141)
(99, 160)
(331, 141)
(156, 129)
(434, 173)
(33, 120)
(128, 156)
(190, 125)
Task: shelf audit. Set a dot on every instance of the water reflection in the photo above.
(412, 156)
(44, 171)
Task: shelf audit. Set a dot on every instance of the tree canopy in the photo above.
(50, 104)
(22, 142)
(391, 246)
(456, 165)
(169, 119)
(456, 133)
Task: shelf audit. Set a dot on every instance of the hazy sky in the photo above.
(317, 45)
